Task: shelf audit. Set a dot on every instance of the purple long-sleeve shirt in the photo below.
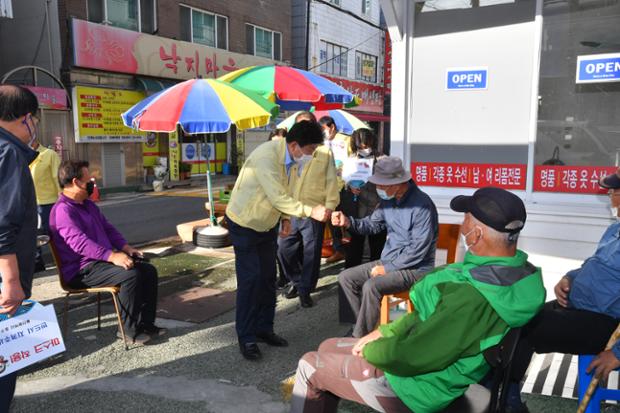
(81, 235)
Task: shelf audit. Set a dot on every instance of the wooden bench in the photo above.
(447, 240)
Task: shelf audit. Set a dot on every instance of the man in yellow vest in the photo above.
(44, 171)
(312, 183)
(340, 145)
(258, 200)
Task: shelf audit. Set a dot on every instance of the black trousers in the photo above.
(300, 253)
(255, 265)
(7, 390)
(355, 248)
(556, 329)
(138, 289)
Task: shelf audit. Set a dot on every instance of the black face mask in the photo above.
(90, 187)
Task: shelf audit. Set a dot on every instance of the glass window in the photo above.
(365, 67)
(578, 123)
(128, 14)
(123, 13)
(204, 28)
(333, 59)
(336, 2)
(263, 42)
(438, 5)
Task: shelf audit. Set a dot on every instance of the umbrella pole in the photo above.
(210, 189)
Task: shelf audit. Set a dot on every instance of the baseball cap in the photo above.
(611, 181)
(495, 207)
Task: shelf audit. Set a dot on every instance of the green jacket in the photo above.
(432, 355)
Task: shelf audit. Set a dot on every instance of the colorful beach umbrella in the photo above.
(345, 122)
(200, 106)
(292, 89)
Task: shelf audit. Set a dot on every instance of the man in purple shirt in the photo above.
(93, 253)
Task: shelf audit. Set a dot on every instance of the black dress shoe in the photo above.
(291, 292)
(306, 300)
(272, 339)
(250, 351)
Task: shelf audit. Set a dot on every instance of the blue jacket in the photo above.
(596, 285)
(18, 208)
(412, 230)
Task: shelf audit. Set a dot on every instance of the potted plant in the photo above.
(185, 170)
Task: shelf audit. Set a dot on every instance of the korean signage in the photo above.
(49, 98)
(598, 68)
(174, 155)
(98, 112)
(108, 48)
(573, 179)
(198, 152)
(387, 65)
(469, 175)
(474, 78)
(371, 95)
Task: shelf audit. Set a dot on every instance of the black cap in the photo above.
(611, 181)
(495, 207)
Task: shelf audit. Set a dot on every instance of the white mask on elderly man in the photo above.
(614, 213)
(464, 238)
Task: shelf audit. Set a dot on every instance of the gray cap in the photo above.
(389, 171)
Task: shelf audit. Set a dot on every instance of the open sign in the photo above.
(598, 68)
(467, 79)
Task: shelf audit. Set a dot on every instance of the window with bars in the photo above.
(333, 59)
(263, 42)
(202, 27)
(365, 67)
(136, 15)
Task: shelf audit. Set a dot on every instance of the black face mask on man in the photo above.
(90, 187)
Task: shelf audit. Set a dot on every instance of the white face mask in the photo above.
(464, 239)
(327, 134)
(614, 213)
(364, 152)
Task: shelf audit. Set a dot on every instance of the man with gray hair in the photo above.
(410, 217)
(426, 359)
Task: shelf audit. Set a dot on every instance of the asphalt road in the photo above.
(149, 218)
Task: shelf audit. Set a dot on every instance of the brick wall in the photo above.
(270, 14)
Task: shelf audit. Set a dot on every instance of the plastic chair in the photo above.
(113, 290)
(448, 240)
(479, 399)
(584, 381)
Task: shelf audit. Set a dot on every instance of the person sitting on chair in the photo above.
(93, 253)
(586, 310)
(426, 359)
(410, 218)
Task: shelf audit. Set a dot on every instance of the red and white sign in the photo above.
(113, 49)
(469, 175)
(49, 98)
(387, 64)
(572, 179)
(371, 95)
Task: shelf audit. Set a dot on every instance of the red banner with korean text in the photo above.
(572, 179)
(469, 175)
(371, 95)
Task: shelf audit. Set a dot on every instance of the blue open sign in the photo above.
(466, 79)
(598, 68)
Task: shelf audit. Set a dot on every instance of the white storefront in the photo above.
(493, 95)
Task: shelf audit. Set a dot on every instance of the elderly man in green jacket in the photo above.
(426, 359)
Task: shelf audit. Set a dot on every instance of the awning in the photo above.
(371, 117)
(149, 84)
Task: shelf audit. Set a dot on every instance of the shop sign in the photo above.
(98, 112)
(96, 46)
(598, 68)
(371, 95)
(368, 68)
(474, 78)
(469, 175)
(387, 64)
(150, 149)
(572, 179)
(174, 155)
(50, 98)
(198, 152)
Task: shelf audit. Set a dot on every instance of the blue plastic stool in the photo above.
(600, 394)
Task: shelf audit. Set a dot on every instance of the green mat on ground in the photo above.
(183, 264)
